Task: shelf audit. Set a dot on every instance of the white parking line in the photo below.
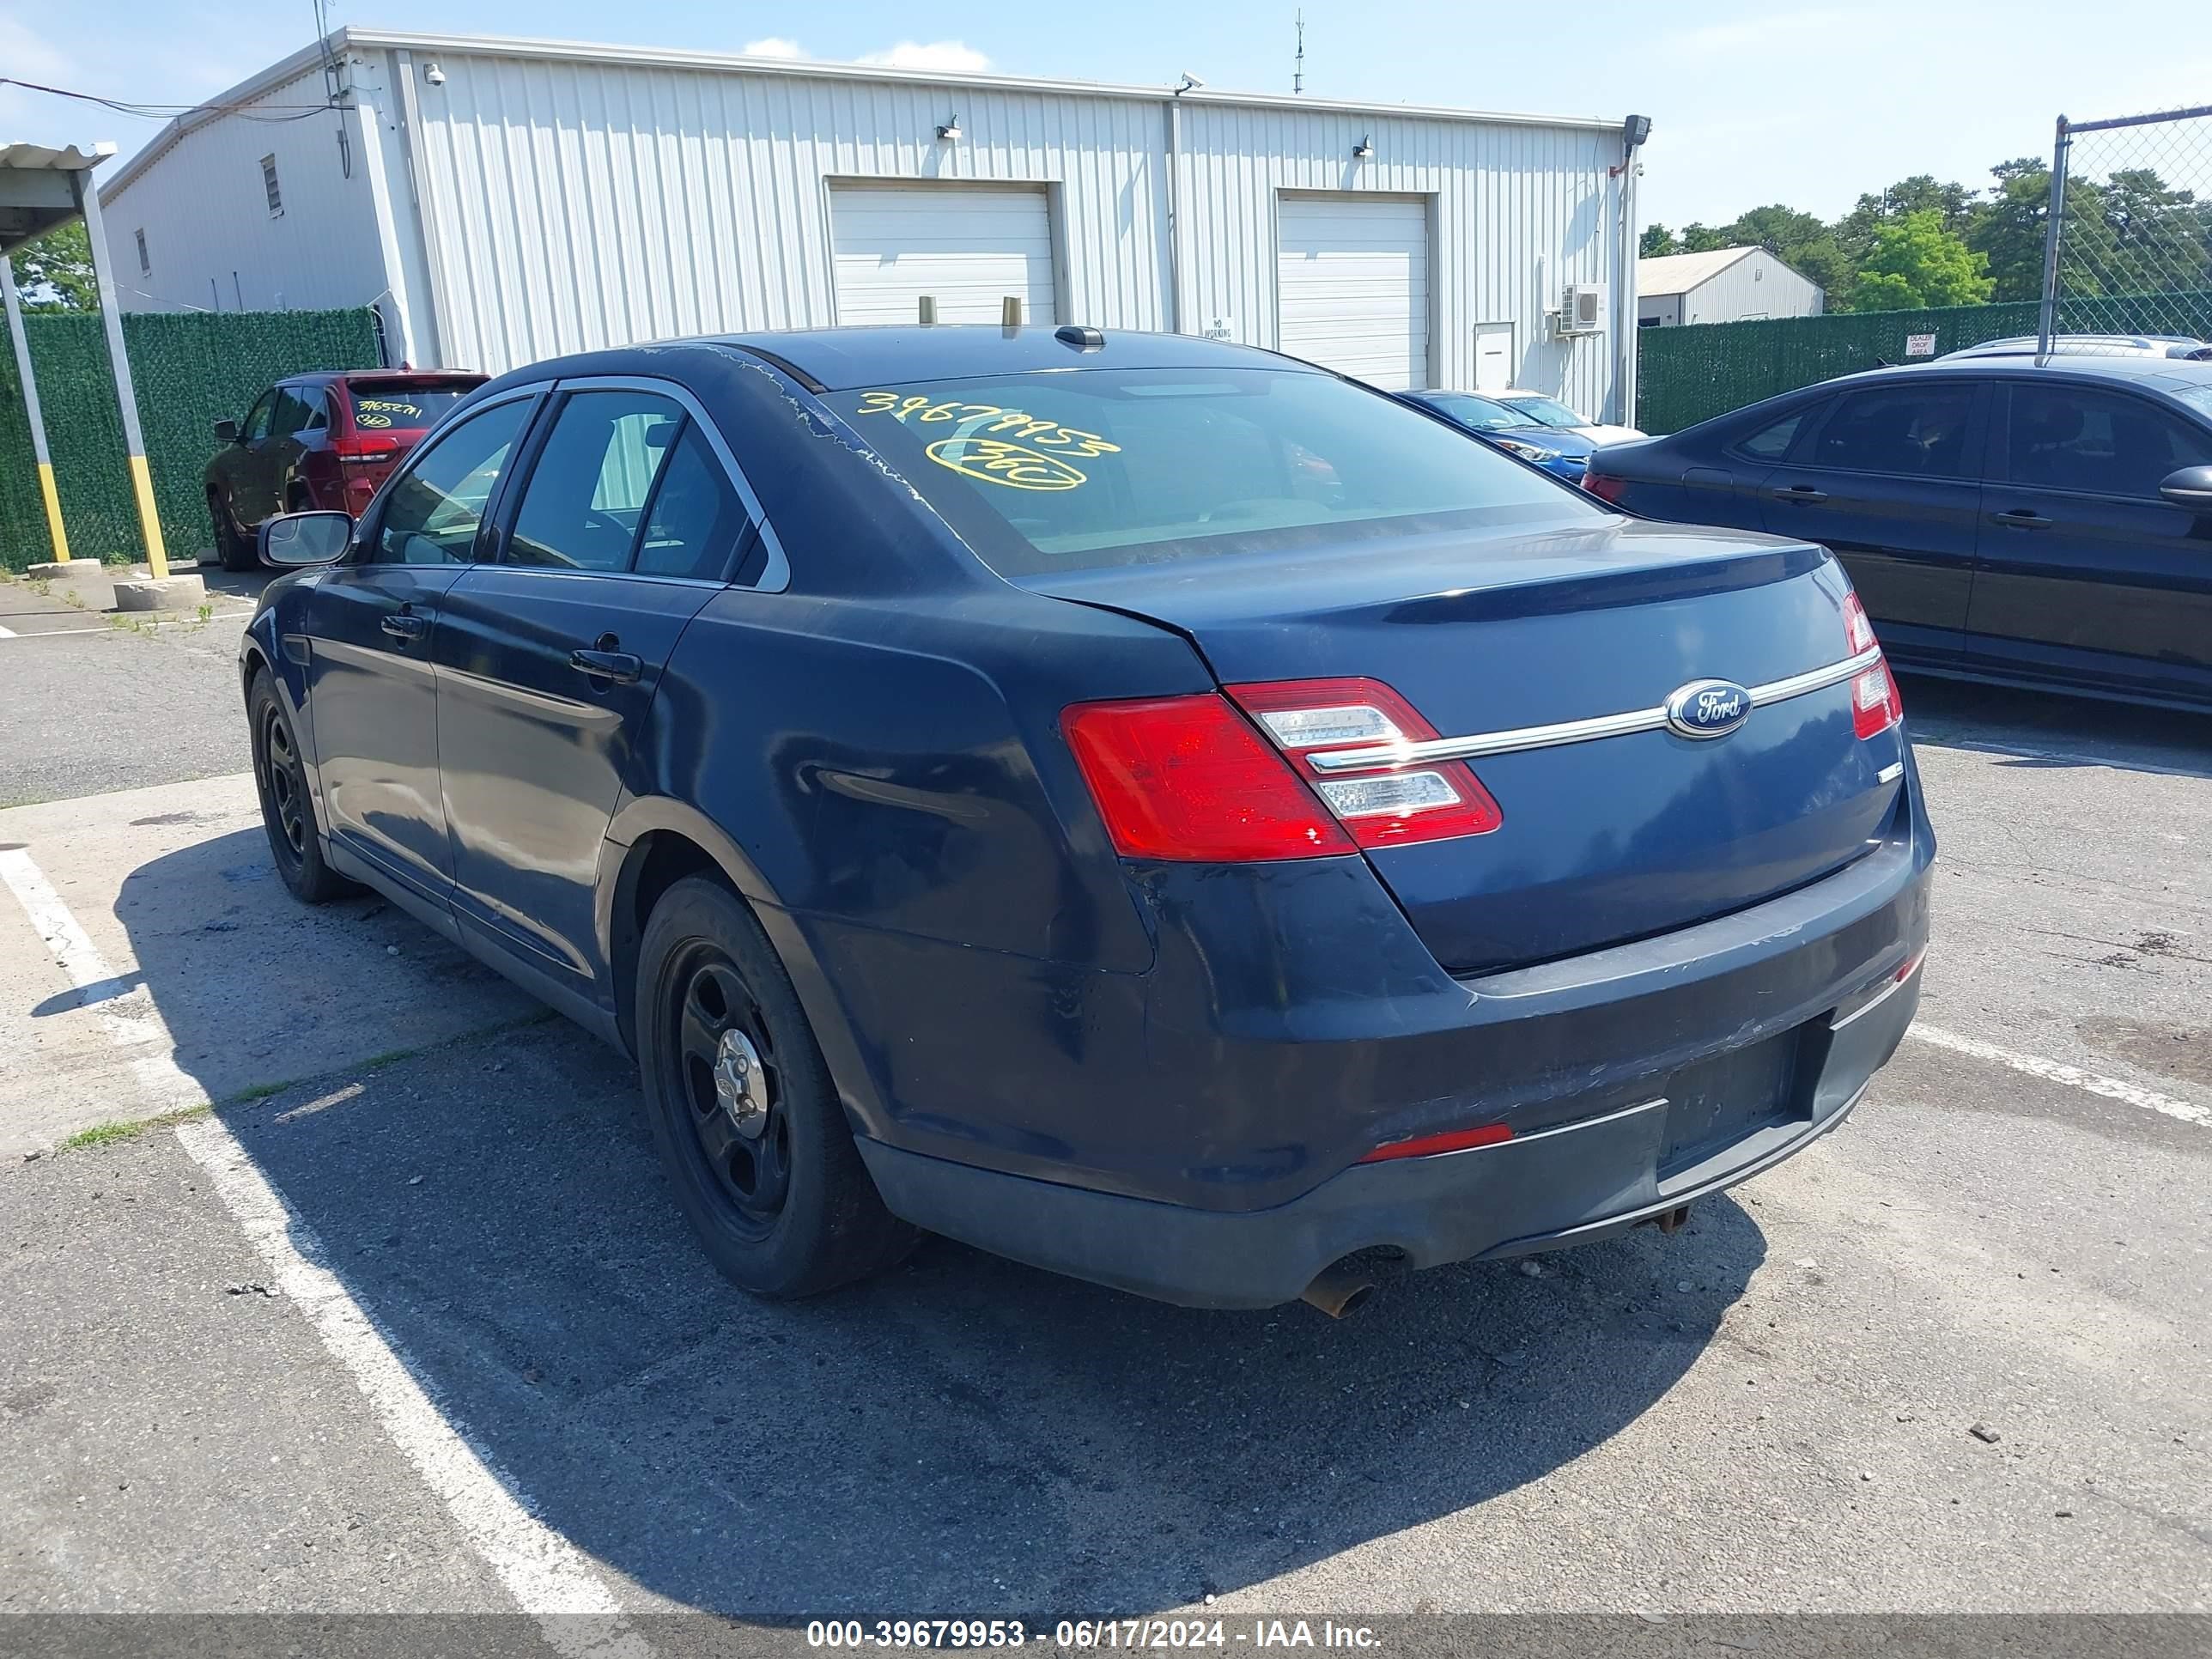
(2051, 1071)
(128, 1019)
(116, 627)
(7, 633)
(548, 1576)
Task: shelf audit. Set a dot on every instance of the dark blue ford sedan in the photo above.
(1147, 807)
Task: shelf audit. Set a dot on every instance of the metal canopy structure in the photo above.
(37, 188)
(43, 188)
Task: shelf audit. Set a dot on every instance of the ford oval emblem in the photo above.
(1707, 708)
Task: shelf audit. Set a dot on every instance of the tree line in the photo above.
(1924, 243)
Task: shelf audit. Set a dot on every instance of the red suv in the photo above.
(319, 442)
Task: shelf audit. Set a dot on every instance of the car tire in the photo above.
(749, 1128)
(232, 550)
(288, 810)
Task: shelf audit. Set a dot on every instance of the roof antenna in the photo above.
(1298, 61)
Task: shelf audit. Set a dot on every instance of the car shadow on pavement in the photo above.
(961, 1436)
(2002, 719)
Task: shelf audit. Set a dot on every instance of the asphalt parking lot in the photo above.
(405, 1321)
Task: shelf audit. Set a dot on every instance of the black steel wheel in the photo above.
(280, 777)
(749, 1128)
(732, 1084)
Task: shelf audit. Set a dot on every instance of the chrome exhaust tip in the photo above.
(1338, 1290)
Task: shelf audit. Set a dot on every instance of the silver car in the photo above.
(2092, 345)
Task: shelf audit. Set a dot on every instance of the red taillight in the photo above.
(1452, 1141)
(1606, 489)
(1188, 778)
(1391, 803)
(359, 449)
(1875, 704)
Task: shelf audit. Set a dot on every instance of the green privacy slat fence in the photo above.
(1688, 374)
(191, 371)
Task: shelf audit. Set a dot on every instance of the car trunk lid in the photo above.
(1607, 834)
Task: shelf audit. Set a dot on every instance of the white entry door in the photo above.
(1352, 285)
(968, 248)
(1493, 356)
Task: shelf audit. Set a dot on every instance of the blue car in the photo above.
(1563, 454)
(2038, 524)
(1141, 805)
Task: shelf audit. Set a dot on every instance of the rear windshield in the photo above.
(2198, 398)
(1084, 468)
(378, 407)
(1477, 414)
(1547, 411)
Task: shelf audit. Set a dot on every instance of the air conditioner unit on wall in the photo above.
(1582, 310)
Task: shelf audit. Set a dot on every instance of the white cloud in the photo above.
(954, 56)
(774, 46)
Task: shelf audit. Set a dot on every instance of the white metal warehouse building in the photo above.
(1727, 285)
(503, 201)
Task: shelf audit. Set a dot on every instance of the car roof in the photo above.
(2156, 372)
(373, 376)
(842, 359)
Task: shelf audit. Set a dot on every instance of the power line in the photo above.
(170, 111)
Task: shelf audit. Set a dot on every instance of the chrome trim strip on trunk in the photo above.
(1556, 736)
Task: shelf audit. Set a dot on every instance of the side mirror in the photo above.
(2191, 486)
(226, 432)
(291, 540)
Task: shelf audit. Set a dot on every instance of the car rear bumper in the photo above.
(1569, 1184)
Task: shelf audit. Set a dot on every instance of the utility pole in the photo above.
(1298, 62)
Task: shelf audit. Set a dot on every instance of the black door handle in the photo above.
(1804, 493)
(615, 668)
(402, 625)
(2020, 518)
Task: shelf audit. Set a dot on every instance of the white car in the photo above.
(1550, 412)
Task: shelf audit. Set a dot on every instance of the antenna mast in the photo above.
(1298, 62)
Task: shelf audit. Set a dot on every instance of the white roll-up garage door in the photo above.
(1352, 285)
(967, 247)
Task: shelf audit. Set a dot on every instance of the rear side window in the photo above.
(437, 505)
(292, 414)
(588, 490)
(1918, 429)
(1095, 467)
(1771, 442)
(2102, 443)
(379, 407)
(696, 518)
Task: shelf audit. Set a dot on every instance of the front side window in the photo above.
(1101, 467)
(2102, 443)
(436, 507)
(588, 490)
(1918, 429)
(257, 418)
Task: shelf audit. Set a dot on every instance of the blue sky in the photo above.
(1752, 103)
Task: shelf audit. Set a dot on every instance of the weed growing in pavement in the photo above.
(108, 1135)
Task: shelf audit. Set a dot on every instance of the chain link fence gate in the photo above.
(2128, 239)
